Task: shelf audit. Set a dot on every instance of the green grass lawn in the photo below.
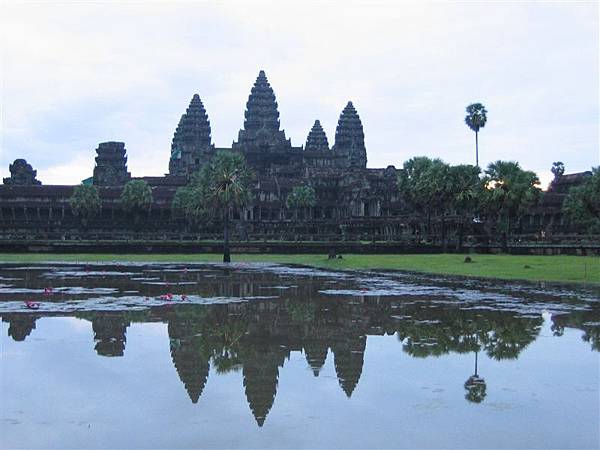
(580, 269)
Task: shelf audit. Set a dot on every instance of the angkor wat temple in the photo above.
(353, 202)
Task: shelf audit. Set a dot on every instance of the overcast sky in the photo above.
(78, 73)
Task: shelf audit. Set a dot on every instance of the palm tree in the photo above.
(85, 203)
(301, 197)
(509, 191)
(582, 205)
(475, 385)
(558, 169)
(224, 183)
(423, 182)
(466, 193)
(475, 120)
(136, 199)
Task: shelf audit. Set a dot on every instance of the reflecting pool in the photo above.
(270, 356)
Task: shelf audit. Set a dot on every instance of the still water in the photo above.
(259, 355)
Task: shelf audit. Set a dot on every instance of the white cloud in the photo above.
(68, 172)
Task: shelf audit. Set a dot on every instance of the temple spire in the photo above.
(350, 138)
(261, 124)
(317, 139)
(190, 354)
(316, 354)
(348, 359)
(261, 109)
(191, 141)
(111, 165)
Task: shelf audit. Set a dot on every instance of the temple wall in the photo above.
(358, 206)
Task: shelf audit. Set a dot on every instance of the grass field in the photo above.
(579, 269)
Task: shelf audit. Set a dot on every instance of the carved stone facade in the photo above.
(191, 147)
(22, 174)
(350, 139)
(317, 139)
(111, 165)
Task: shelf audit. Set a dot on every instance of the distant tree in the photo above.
(188, 202)
(558, 169)
(136, 198)
(441, 193)
(301, 197)
(509, 336)
(509, 190)
(476, 119)
(224, 184)
(85, 203)
(582, 204)
(466, 189)
(425, 186)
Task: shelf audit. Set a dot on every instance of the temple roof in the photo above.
(350, 138)
(193, 128)
(21, 174)
(349, 127)
(190, 355)
(348, 359)
(192, 365)
(109, 334)
(261, 124)
(317, 139)
(316, 354)
(565, 182)
(261, 109)
(20, 325)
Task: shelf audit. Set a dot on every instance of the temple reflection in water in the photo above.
(257, 337)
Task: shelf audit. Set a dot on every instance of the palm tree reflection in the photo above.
(475, 386)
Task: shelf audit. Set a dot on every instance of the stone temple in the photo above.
(353, 202)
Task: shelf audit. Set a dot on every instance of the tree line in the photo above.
(435, 192)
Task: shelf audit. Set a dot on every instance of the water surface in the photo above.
(262, 355)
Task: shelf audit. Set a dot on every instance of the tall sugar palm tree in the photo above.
(475, 119)
(224, 185)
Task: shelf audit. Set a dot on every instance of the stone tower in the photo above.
(261, 124)
(110, 331)
(191, 147)
(317, 139)
(111, 165)
(348, 359)
(190, 355)
(350, 139)
(22, 174)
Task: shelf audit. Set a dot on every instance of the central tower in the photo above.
(261, 124)
(350, 139)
